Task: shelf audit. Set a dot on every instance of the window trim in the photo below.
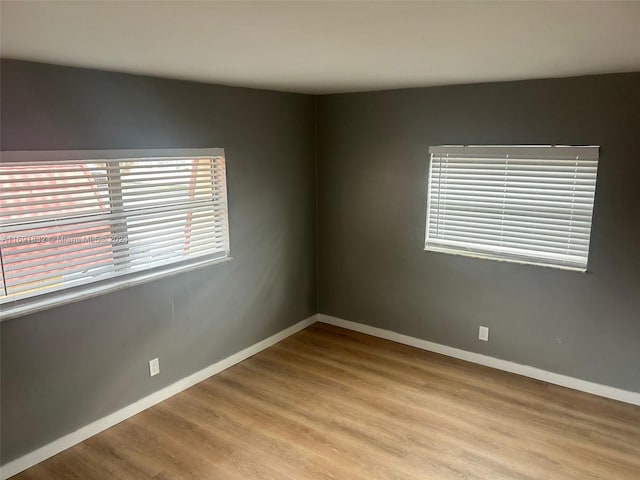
(25, 306)
(588, 152)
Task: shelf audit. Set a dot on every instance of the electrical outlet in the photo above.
(154, 367)
(483, 334)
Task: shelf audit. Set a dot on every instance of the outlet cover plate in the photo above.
(154, 367)
(483, 334)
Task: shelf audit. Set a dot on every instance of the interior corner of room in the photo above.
(323, 277)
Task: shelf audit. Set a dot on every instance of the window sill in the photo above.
(28, 306)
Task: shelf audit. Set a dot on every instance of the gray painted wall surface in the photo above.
(67, 366)
(372, 191)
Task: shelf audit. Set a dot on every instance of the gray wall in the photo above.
(372, 190)
(67, 366)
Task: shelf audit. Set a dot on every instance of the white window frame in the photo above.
(589, 153)
(24, 306)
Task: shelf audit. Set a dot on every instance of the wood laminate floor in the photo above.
(328, 403)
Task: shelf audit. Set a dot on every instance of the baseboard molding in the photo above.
(22, 463)
(525, 370)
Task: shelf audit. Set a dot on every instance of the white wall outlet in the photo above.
(483, 334)
(154, 367)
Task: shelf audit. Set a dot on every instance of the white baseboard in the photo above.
(55, 447)
(525, 370)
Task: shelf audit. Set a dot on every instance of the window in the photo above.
(514, 203)
(68, 219)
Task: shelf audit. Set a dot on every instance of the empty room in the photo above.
(324, 240)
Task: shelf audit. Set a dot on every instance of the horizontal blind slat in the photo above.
(25, 180)
(44, 236)
(508, 254)
(557, 207)
(529, 232)
(451, 176)
(555, 214)
(53, 250)
(134, 242)
(497, 245)
(445, 194)
(517, 183)
(51, 221)
(55, 284)
(533, 223)
(473, 232)
(493, 161)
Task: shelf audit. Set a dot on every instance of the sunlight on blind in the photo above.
(68, 222)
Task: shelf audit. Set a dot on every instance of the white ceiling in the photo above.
(322, 46)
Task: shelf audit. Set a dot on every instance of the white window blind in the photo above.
(68, 222)
(515, 203)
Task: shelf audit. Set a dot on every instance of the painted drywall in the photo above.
(68, 366)
(372, 170)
